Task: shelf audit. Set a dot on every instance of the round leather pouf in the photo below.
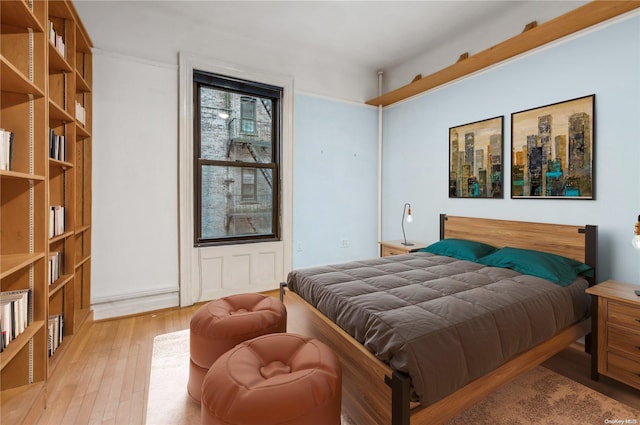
(277, 379)
(222, 324)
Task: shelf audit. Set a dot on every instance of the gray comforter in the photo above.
(443, 321)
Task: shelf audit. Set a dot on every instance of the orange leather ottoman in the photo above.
(277, 379)
(222, 324)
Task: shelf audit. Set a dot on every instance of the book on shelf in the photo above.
(56, 146)
(14, 315)
(81, 114)
(56, 220)
(55, 329)
(52, 32)
(60, 45)
(6, 149)
(57, 40)
(55, 266)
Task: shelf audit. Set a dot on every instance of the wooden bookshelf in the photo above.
(43, 85)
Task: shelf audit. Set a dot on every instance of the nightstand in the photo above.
(397, 248)
(617, 350)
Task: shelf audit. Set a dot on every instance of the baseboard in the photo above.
(135, 304)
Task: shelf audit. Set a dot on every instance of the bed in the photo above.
(389, 377)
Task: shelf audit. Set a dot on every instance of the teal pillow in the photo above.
(556, 268)
(461, 249)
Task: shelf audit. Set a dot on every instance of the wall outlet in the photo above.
(299, 246)
(345, 243)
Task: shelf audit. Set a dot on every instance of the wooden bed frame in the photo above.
(374, 394)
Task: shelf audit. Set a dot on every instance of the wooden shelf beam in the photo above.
(17, 13)
(11, 263)
(576, 20)
(15, 81)
(20, 342)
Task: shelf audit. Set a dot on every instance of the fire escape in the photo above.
(256, 144)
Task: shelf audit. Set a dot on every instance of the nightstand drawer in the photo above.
(386, 251)
(398, 248)
(624, 340)
(624, 369)
(623, 314)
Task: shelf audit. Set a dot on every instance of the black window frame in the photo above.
(250, 89)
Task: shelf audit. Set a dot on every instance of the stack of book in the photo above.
(81, 114)
(6, 149)
(55, 266)
(56, 220)
(56, 332)
(56, 146)
(14, 315)
(57, 40)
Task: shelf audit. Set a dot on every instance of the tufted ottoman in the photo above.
(277, 379)
(224, 323)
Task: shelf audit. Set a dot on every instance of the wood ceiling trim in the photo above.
(576, 20)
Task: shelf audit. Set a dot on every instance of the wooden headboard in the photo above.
(577, 242)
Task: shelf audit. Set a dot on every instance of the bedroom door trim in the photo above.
(212, 272)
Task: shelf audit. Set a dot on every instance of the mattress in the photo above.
(442, 321)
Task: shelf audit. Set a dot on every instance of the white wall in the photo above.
(335, 181)
(135, 185)
(135, 154)
(605, 61)
(135, 260)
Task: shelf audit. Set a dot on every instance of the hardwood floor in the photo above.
(103, 378)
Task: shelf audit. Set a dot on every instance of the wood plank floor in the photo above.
(103, 377)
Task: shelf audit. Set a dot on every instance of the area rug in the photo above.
(539, 397)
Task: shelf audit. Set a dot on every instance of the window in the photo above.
(248, 188)
(248, 115)
(236, 160)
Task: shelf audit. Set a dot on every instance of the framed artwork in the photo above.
(475, 159)
(552, 151)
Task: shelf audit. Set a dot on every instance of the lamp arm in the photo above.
(404, 210)
(403, 234)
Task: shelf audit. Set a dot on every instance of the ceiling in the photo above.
(374, 34)
(403, 38)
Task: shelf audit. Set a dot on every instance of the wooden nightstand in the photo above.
(397, 248)
(617, 350)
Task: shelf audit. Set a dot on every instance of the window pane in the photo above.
(235, 127)
(247, 114)
(226, 212)
(249, 187)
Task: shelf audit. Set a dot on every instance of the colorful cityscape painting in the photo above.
(552, 151)
(475, 159)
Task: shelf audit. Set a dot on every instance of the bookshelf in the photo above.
(45, 85)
